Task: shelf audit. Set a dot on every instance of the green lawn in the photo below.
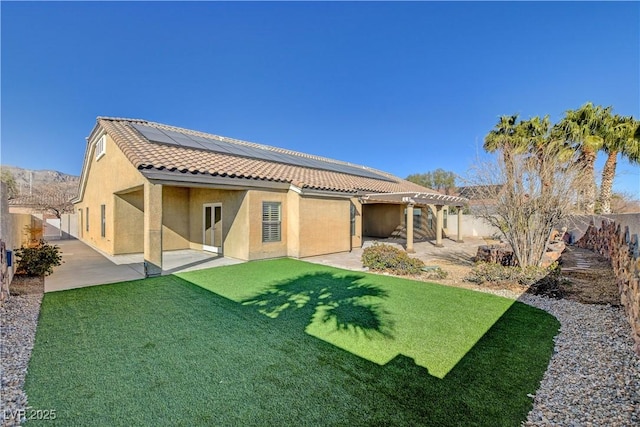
(286, 342)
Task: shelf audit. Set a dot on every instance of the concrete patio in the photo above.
(451, 252)
(85, 266)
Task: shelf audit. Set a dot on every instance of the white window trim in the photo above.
(101, 147)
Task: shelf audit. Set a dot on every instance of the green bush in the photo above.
(494, 273)
(381, 257)
(38, 260)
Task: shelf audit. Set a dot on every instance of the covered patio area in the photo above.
(407, 202)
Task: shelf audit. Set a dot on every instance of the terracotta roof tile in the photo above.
(144, 154)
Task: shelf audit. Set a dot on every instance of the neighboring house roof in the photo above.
(41, 201)
(168, 152)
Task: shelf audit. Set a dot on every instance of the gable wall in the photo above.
(110, 174)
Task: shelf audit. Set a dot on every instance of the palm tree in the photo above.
(622, 136)
(506, 138)
(583, 131)
(535, 136)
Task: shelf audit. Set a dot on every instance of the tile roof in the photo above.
(144, 155)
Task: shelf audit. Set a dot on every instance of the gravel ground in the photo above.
(593, 377)
(18, 320)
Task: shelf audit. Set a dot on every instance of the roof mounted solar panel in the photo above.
(212, 145)
(153, 134)
(224, 147)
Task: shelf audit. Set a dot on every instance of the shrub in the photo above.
(494, 273)
(381, 257)
(436, 273)
(38, 260)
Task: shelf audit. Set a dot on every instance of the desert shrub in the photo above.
(436, 273)
(494, 273)
(38, 260)
(381, 257)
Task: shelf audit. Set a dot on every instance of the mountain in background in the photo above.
(27, 179)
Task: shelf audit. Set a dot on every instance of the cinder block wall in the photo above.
(616, 238)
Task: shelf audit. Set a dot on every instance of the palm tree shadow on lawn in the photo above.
(226, 364)
(490, 385)
(342, 301)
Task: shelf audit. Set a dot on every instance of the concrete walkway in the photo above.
(84, 266)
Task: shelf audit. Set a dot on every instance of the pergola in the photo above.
(411, 199)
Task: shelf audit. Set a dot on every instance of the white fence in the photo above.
(60, 228)
(576, 225)
(471, 226)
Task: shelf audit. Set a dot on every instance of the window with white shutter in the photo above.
(101, 146)
(271, 221)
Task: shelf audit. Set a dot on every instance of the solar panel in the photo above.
(223, 147)
(156, 135)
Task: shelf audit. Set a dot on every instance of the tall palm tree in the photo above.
(505, 137)
(622, 136)
(535, 136)
(583, 130)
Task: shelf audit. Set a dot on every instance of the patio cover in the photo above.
(414, 198)
(420, 199)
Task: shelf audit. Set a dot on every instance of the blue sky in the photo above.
(403, 87)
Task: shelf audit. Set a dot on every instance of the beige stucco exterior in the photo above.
(148, 214)
(107, 175)
(379, 220)
(310, 225)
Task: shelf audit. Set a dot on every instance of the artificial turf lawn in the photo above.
(164, 351)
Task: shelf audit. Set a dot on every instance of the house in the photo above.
(148, 187)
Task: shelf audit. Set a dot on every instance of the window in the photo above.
(271, 221)
(87, 219)
(101, 146)
(430, 218)
(417, 218)
(444, 218)
(103, 222)
(353, 219)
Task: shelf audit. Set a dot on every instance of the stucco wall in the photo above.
(235, 219)
(472, 226)
(129, 222)
(258, 249)
(20, 223)
(176, 218)
(107, 175)
(293, 224)
(324, 226)
(379, 220)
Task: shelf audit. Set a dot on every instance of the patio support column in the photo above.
(460, 225)
(410, 228)
(152, 229)
(439, 223)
